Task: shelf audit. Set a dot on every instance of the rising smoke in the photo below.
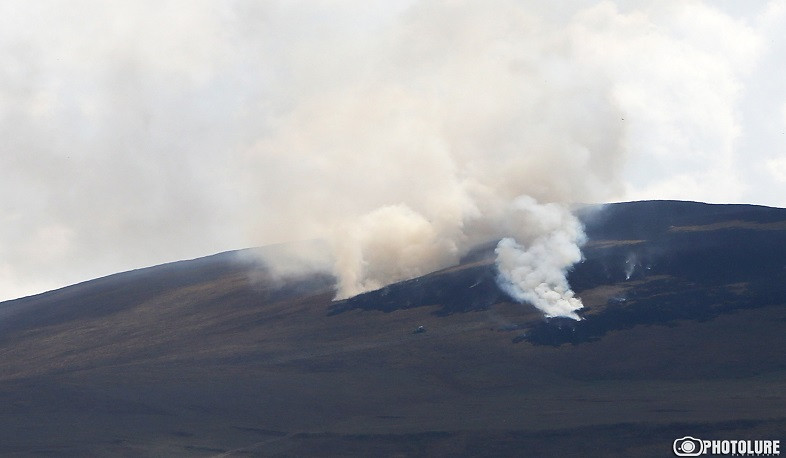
(462, 126)
(401, 133)
(536, 272)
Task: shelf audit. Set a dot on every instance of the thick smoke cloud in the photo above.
(419, 156)
(401, 134)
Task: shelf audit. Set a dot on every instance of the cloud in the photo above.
(678, 70)
(777, 167)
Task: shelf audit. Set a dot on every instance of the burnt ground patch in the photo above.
(453, 291)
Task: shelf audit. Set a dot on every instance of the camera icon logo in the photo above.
(688, 446)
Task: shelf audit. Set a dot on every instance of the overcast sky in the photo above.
(142, 132)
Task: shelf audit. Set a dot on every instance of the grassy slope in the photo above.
(201, 360)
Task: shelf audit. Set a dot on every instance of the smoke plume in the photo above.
(457, 112)
(535, 272)
(400, 133)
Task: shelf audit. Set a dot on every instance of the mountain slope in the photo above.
(683, 334)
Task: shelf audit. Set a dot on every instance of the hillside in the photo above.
(683, 334)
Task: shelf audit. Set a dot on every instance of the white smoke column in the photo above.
(535, 271)
(630, 265)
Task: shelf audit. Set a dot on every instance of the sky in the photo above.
(141, 132)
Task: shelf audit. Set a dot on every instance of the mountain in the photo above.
(683, 334)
